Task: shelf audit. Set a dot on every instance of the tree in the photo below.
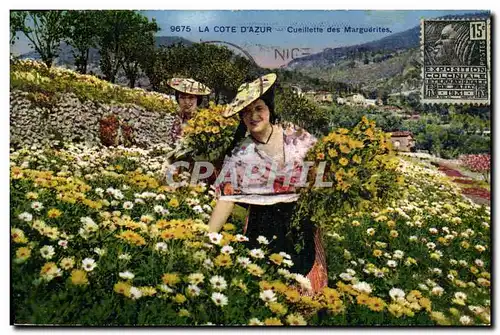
(115, 29)
(215, 66)
(83, 29)
(17, 19)
(138, 47)
(48, 29)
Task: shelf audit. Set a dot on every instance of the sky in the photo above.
(274, 38)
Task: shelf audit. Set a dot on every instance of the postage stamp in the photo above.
(456, 61)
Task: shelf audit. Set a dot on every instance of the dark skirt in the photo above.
(275, 220)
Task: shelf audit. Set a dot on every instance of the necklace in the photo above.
(272, 129)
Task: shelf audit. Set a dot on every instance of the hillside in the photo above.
(389, 74)
(400, 41)
(390, 63)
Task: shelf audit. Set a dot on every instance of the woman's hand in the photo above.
(220, 214)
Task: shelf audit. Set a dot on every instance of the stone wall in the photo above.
(68, 119)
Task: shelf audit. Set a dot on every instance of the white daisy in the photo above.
(37, 206)
(262, 240)
(126, 275)
(128, 205)
(256, 253)
(255, 322)
(219, 299)
(396, 293)
(392, 264)
(285, 255)
(208, 264)
(465, 320)
(215, 238)
(161, 247)
(363, 287)
(241, 238)
(25, 217)
(193, 290)
(158, 209)
(88, 264)
(345, 276)
(398, 254)
(437, 290)
(47, 251)
(135, 293)
(198, 209)
(63, 244)
(227, 249)
(244, 261)
(267, 296)
(218, 283)
(304, 282)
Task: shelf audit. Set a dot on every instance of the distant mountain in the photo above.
(66, 51)
(390, 63)
(404, 40)
(399, 41)
(169, 40)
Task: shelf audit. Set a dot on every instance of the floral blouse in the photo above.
(252, 176)
(177, 128)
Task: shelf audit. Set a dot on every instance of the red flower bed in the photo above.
(109, 127)
(464, 181)
(450, 172)
(479, 192)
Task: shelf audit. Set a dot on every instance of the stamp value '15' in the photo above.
(456, 61)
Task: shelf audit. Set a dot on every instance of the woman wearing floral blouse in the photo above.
(263, 170)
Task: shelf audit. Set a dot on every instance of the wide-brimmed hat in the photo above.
(189, 86)
(248, 93)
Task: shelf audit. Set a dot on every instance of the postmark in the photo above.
(456, 64)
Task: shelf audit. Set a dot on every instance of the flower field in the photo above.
(98, 239)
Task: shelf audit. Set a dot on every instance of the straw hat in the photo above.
(189, 86)
(248, 93)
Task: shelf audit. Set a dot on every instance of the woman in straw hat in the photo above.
(189, 95)
(254, 173)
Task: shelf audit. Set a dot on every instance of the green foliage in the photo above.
(215, 66)
(449, 140)
(17, 19)
(45, 33)
(360, 167)
(83, 28)
(300, 111)
(208, 134)
(45, 85)
(121, 34)
(138, 47)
